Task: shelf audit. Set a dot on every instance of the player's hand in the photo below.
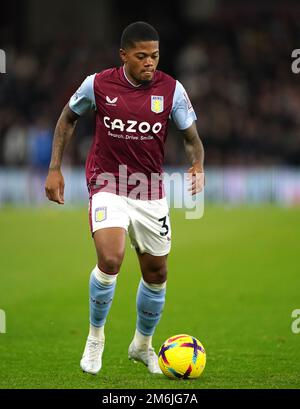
(197, 178)
(54, 186)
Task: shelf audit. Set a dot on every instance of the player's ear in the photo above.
(123, 55)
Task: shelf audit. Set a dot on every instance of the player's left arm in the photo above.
(184, 116)
(195, 154)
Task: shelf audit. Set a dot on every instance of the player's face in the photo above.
(141, 61)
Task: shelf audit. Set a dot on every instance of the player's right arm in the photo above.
(64, 129)
(82, 101)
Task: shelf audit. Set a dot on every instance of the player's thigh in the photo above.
(150, 229)
(110, 248)
(109, 222)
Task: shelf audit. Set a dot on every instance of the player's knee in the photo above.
(110, 263)
(156, 274)
(161, 275)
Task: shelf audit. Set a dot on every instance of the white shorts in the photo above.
(146, 221)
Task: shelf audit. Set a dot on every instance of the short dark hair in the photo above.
(138, 31)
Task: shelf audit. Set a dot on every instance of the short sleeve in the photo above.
(182, 112)
(84, 98)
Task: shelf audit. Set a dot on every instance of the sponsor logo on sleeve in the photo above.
(189, 104)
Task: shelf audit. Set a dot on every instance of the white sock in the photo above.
(104, 278)
(97, 332)
(142, 341)
(153, 286)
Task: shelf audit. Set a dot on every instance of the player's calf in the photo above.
(150, 302)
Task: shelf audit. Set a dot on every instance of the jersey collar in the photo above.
(131, 83)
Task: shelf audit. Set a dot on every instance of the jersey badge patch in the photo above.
(157, 104)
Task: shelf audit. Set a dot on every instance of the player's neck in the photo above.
(129, 78)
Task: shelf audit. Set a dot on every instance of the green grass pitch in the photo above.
(233, 283)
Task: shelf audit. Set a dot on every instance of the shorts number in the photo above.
(164, 226)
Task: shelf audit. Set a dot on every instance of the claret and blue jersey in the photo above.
(131, 123)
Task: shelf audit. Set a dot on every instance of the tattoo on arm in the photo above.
(62, 134)
(193, 145)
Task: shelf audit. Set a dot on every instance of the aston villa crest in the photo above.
(100, 214)
(157, 104)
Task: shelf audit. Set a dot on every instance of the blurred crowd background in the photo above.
(233, 57)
